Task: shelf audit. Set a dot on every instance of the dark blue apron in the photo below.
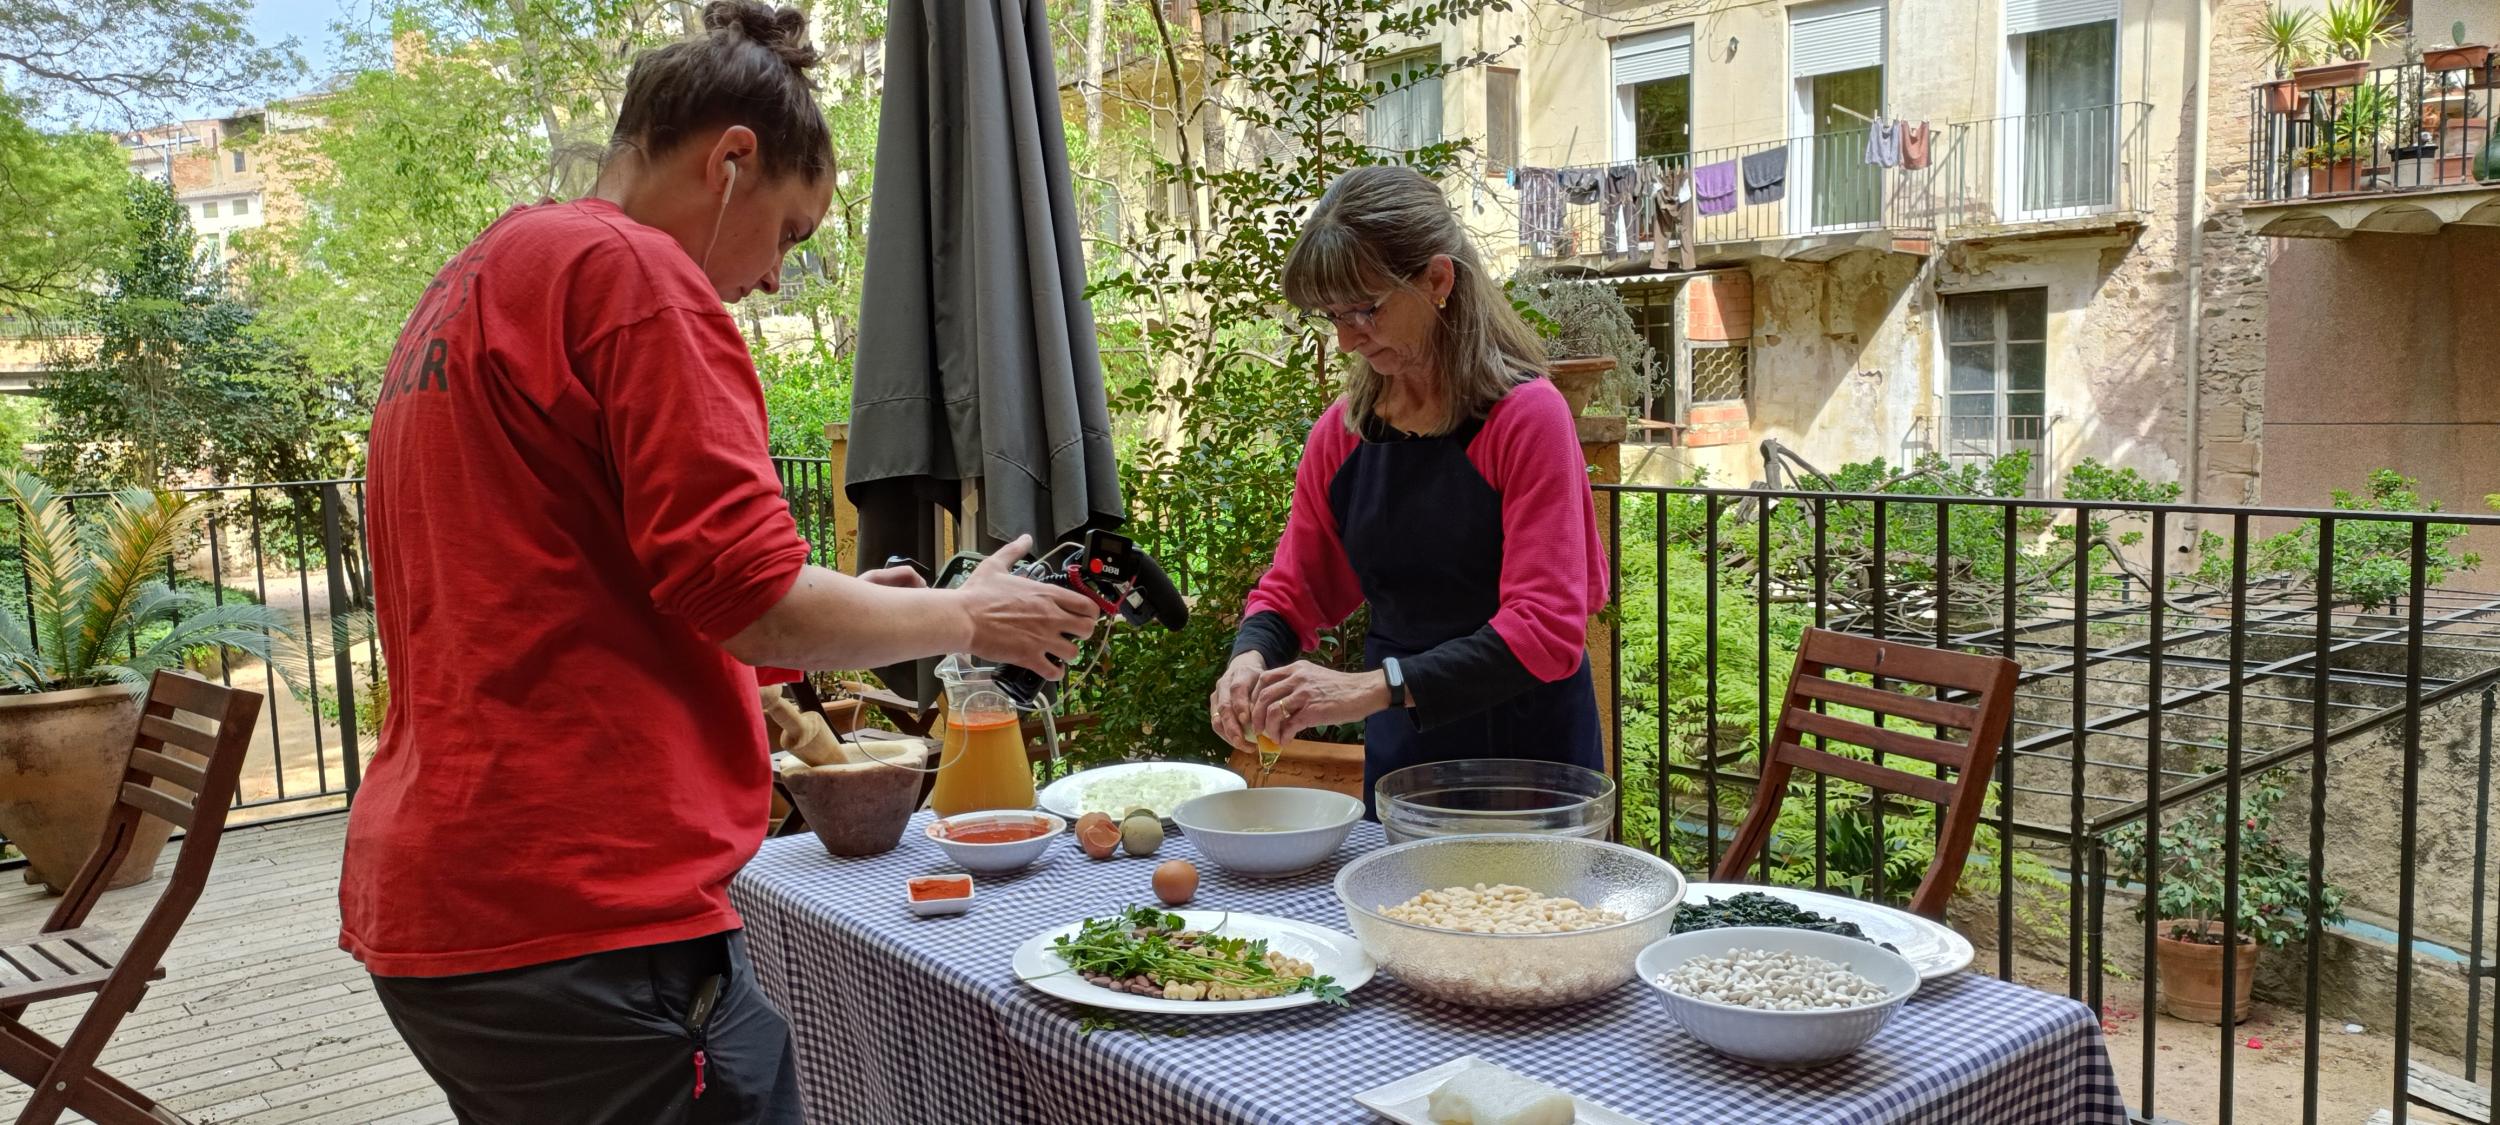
(1423, 532)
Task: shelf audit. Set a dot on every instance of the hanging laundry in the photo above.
(1621, 205)
(1883, 143)
(1715, 186)
(1914, 145)
(1670, 218)
(1582, 185)
(1540, 209)
(1766, 176)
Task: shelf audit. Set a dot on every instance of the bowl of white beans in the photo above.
(1509, 921)
(1778, 997)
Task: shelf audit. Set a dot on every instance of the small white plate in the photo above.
(1930, 946)
(1408, 1100)
(1330, 953)
(1066, 795)
(935, 907)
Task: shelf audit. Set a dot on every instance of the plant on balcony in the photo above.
(99, 620)
(2291, 41)
(2354, 135)
(2274, 903)
(1589, 335)
(2351, 30)
(2457, 54)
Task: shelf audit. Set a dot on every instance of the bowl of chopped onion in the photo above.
(1509, 921)
(1775, 996)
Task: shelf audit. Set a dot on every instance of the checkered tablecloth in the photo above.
(909, 1021)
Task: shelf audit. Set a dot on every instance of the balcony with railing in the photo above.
(2405, 149)
(1833, 192)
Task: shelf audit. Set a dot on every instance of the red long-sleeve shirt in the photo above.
(571, 505)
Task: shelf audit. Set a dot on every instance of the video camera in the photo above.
(1124, 581)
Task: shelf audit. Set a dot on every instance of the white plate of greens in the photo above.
(1052, 967)
(1116, 789)
(1930, 946)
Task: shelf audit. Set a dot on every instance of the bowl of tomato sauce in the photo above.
(996, 842)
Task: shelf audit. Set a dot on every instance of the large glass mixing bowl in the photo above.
(1480, 795)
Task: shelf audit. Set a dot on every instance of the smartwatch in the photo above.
(1397, 682)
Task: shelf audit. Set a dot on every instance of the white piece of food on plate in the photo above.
(1481, 1095)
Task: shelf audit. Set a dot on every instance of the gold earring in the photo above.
(1443, 303)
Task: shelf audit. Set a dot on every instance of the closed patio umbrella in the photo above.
(977, 357)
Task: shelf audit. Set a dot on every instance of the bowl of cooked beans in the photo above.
(1776, 996)
(1509, 921)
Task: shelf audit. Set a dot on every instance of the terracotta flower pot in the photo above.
(62, 754)
(1334, 766)
(2330, 76)
(2191, 977)
(1577, 379)
(2282, 97)
(2456, 58)
(2336, 178)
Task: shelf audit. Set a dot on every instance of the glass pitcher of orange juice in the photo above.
(981, 763)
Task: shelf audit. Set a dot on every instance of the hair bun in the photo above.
(783, 31)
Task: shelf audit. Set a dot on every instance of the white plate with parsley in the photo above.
(1193, 946)
(1115, 789)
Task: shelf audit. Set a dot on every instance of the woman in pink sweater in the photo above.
(1446, 488)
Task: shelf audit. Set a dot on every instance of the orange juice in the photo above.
(981, 765)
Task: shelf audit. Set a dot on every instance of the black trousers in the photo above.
(603, 1040)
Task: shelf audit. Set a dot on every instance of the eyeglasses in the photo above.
(1359, 319)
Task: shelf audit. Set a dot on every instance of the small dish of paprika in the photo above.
(932, 895)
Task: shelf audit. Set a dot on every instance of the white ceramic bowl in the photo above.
(996, 859)
(935, 907)
(1780, 1039)
(1268, 833)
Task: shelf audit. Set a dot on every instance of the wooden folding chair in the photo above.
(1972, 694)
(67, 958)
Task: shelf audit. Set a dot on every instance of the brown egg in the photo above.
(1093, 818)
(1176, 882)
(1099, 840)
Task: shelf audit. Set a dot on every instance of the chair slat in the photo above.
(1868, 773)
(181, 773)
(1900, 660)
(1958, 716)
(155, 803)
(184, 693)
(166, 731)
(1880, 738)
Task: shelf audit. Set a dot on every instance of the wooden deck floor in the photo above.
(260, 1018)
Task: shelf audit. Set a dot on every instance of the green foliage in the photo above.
(806, 388)
(180, 382)
(2290, 38)
(1241, 383)
(2274, 902)
(2373, 558)
(1583, 319)
(128, 58)
(60, 211)
(100, 611)
(2352, 29)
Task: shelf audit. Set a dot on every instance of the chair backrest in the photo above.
(1967, 693)
(178, 772)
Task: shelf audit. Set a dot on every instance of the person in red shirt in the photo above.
(582, 556)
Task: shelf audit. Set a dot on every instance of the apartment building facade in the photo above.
(228, 173)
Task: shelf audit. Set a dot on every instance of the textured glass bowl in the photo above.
(1512, 970)
(1480, 795)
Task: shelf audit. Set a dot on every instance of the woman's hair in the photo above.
(749, 67)
(1374, 232)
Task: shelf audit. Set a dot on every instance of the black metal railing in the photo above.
(2374, 130)
(2053, 165)
(2341, 659)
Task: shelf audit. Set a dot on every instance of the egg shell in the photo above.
(1141, 835)
(1099, 841)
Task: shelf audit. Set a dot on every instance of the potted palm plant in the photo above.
(2291, 39)
(100, 619)
(2355, 135)
(2274, 900)
(2352, 29)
